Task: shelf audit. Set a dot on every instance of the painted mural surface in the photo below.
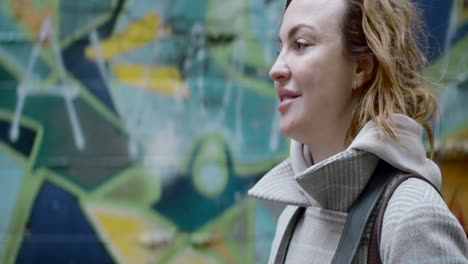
(131, 130)
(448, 75)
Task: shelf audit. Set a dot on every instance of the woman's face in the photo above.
(313, 76)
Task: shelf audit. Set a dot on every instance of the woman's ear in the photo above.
(365, 69)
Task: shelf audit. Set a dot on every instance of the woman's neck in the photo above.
(321, 151)
(328, 144)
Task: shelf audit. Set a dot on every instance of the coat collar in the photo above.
(333, 184)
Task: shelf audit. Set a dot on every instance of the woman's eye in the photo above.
(300, 45)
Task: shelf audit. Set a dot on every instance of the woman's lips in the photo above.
(286, 97)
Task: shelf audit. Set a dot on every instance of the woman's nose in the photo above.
(280, 70)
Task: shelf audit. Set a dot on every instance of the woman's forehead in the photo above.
(320, 14)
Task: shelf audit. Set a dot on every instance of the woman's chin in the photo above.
(286, 129)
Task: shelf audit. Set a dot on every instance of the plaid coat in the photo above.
(417, 227)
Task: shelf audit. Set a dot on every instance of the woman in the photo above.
(348, 77)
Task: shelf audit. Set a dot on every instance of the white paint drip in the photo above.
(238, 55)
(95, 43)
(274, 132)
(70, 92)
(162, 153)
(198, 36)
(75, 124)
(24, 87)
(136, 114)
(238, 132)
(14, 129)
(271, 44)
(196, 53)
(226, 99)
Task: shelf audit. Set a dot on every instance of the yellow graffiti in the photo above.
(122, 232)
(219, 245)
(163, 79)
(133, 36)
(192, 256)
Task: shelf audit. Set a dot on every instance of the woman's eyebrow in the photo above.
(296, 28)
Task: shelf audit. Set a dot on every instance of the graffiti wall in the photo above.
(131, 130)
(448, 76)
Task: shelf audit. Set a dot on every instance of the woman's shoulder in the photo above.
(418, 225)
(414, 194)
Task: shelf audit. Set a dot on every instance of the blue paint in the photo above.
(265, 225)
(86, 70)
(188, 209)
(58, 232)
(436, 16)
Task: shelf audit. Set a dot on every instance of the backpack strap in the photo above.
(373, 253)
(358, 216)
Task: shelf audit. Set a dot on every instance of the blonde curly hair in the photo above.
(391, 32)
